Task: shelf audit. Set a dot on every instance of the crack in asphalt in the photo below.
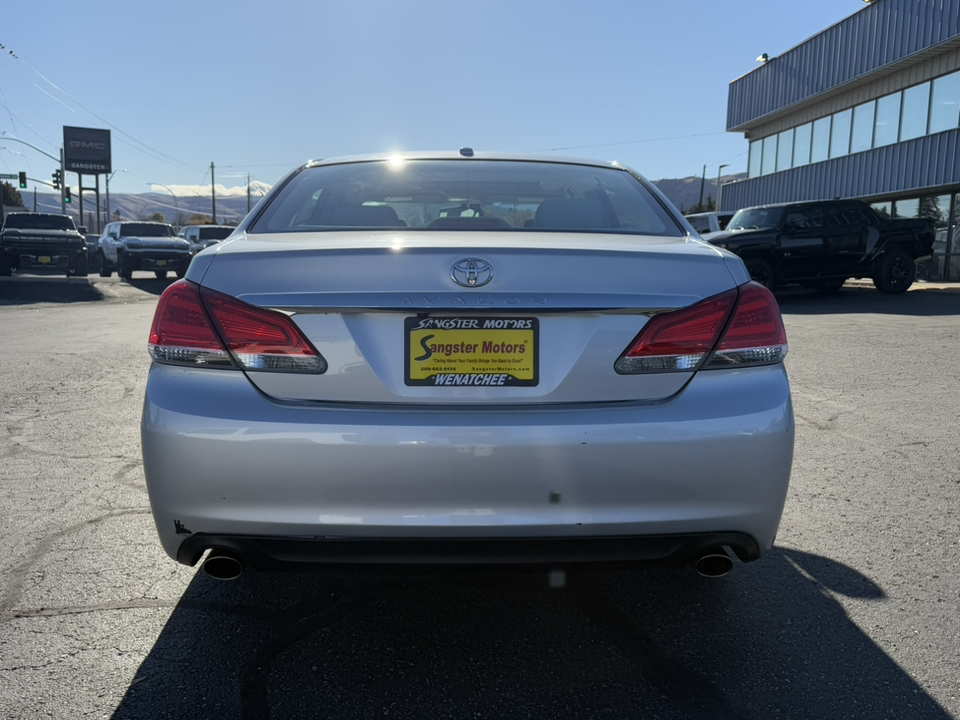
(17, 575)
(695, 697)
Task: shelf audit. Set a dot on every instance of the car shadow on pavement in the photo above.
(154, 286)
(23, 291)
(797, 301)
(768, 641)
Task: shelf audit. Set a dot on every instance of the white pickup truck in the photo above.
(203, 236)
(151, 246)
(709, 222)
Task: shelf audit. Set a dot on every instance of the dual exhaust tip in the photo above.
(222, 566)
(714, 563)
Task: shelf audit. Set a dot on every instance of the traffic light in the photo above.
(56, 179)
(23, 181)
(66, 194)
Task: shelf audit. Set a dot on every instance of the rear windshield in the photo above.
(24, 221)
(451, 195)
(215, 233)
(756, 218)
(146, 230)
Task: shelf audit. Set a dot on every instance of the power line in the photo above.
(158, 154)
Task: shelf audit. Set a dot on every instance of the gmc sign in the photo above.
(86, 150)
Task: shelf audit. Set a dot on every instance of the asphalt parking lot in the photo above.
(856, 614)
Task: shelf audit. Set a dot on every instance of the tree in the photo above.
(10, 196)
(930, 208)
(198, 219)
(708, 206)
(156, 217)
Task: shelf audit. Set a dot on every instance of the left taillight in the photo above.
(202, 328)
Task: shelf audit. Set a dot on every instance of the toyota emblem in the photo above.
(471, 272)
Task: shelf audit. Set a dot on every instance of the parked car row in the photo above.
(51, 241)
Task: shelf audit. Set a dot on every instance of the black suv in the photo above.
(42, 241)
(824, 243)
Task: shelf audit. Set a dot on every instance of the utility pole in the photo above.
(34, 198)
(719, 187)
(63, 184)
(703, 181)
(248, 192)
(213, 194)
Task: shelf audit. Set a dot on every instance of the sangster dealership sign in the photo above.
(86, 150)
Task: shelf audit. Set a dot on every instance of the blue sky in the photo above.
(260, 87)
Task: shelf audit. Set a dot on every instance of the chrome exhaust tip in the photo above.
(223, 567)
(714, 564)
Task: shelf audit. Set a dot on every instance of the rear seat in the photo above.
(569, 214)
(363, 216)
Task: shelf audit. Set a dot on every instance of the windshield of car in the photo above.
(454, 195)
(27, 221)
(215, 233)
(756, 218)
(146, 230)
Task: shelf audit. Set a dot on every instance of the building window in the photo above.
(862, 132)
(906, 208)
(952, 269)
(916, 109)
(887, 127)
(753, 165)
(883, 209)
(769, 162)
(840, 134)
(801, 145)
(945, 103)
(937, 208)
(785, 150)
(820, 147)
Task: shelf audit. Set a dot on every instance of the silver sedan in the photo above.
(463, 357)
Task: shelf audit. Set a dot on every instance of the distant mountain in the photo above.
(230, 210)
(685, 192)
(682, 192)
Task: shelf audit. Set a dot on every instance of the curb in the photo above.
(918, 286)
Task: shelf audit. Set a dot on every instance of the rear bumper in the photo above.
(32, 255)
(281, 552)
(227, 467)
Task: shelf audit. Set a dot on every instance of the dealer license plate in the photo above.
(44, 259)
(161, 263)
(472, 351)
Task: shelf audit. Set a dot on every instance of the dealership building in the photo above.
(869, 108)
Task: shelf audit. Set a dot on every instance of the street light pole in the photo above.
(110, 177)
(176, 204)
(719, 186)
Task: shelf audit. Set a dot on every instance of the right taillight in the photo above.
(202, 328)
(736, 328)
(755, 335)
